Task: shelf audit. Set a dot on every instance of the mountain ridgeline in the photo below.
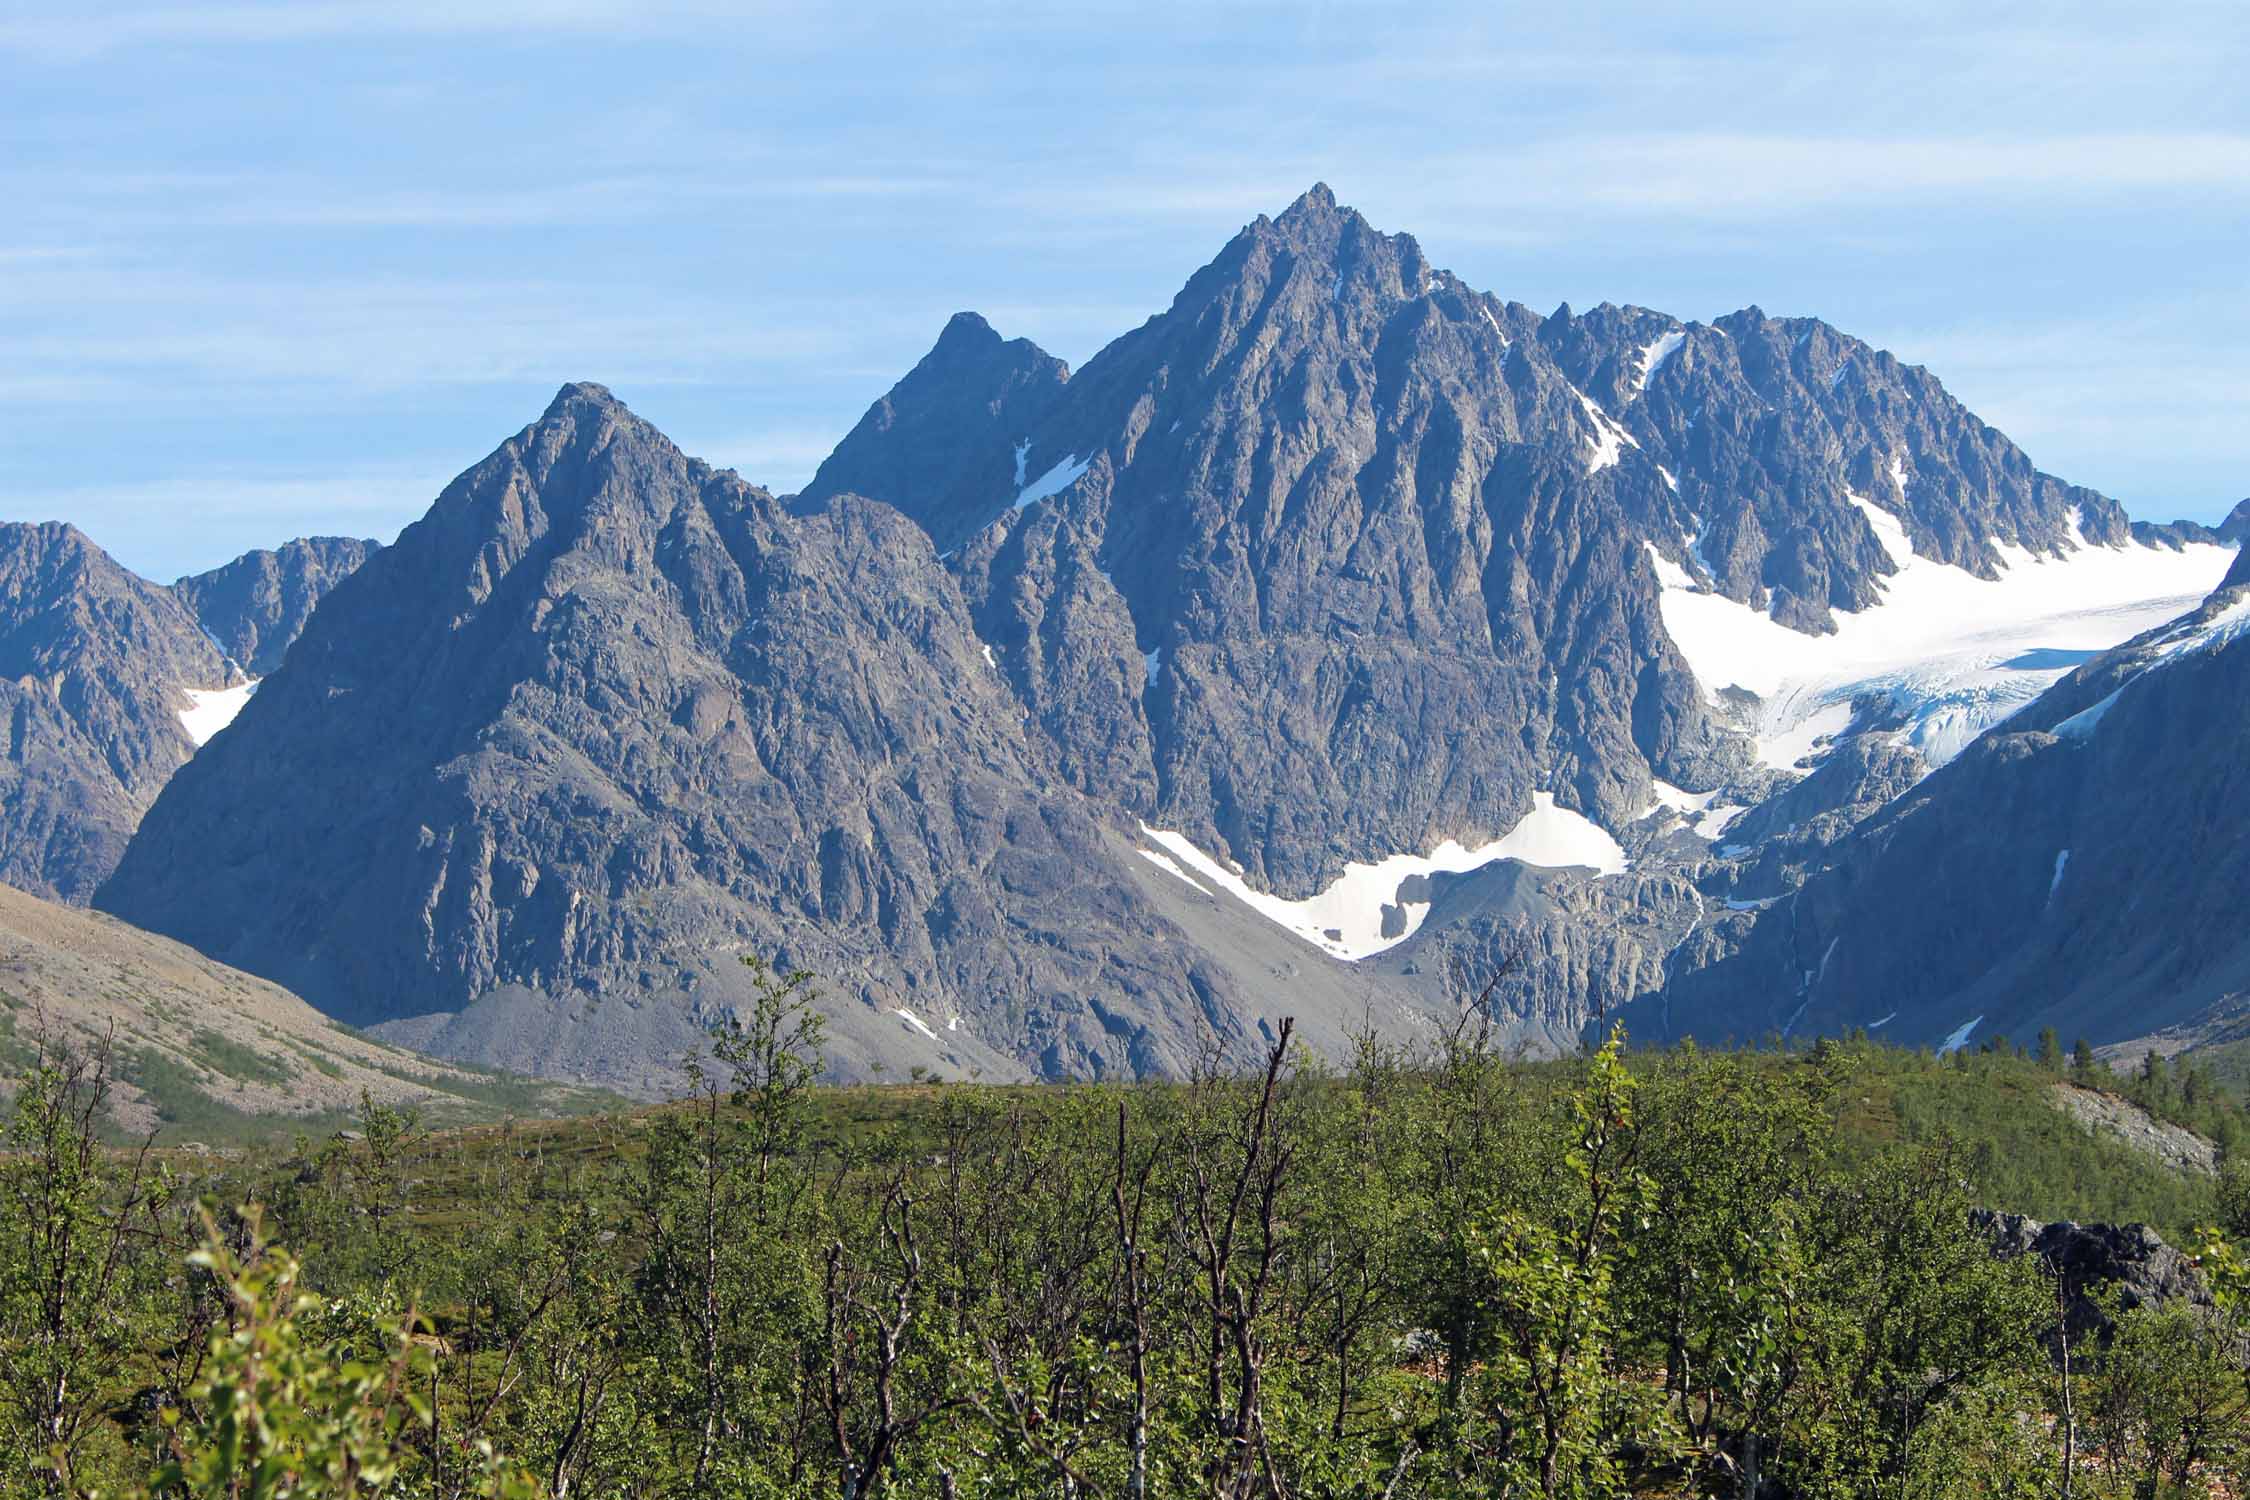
(1074, 723)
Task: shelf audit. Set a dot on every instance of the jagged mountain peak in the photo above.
(577, 396)
(1317, 201)
(1336, 566)
(35, 549)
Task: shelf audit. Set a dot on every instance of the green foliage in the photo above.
(1442, 1275)
(306, 1398)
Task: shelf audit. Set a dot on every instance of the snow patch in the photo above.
(990, 660)
(1668, 573)
(1679, 799)
(1057, 479)
(1169, 868)
(1653, 357)
(914, 1021)
(2081, 725)
(213, 709)
(2062, 863)
(1671, 480)
(1878, 1025)
(1715, 822)
(1610, 440)
(2214, 634)
(1154, 662)
(1958, 1038)
(1352, 906)
(1023, 451)
(1784, 748)
(1706, 821)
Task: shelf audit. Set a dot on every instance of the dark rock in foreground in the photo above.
(2131, 1262)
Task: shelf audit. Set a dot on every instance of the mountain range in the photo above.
(1337, 640)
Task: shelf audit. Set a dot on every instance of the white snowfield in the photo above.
(1057, 479)
(1959, 1036)
(1653, 357)
(1608, 439)
(1957, 653)
(213, 710)
(1346, 919)
(1704, 813)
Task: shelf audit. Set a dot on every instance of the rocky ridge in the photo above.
(256, 605)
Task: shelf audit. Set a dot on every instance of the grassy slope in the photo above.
(210, 1054)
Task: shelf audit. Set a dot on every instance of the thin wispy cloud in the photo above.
(327, 233)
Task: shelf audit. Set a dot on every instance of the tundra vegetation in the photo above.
(1431, 1273)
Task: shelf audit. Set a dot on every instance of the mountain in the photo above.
(605, 720)
(1387, 547)
(257, 604)
(1326, 642)
(202, 1048)
(110, 682)
(97, 670)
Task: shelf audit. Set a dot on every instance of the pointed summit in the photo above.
(1316, 202)
(580, 395)
(965, 332)
(628, 719)
(941, 445)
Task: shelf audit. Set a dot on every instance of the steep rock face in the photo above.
(2240, 572)
(257, 604)
(603, 721)
(94, 663)
(2090, 849)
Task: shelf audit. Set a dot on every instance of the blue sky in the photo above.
(270, 269)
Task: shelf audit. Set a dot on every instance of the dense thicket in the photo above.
(1434, 1275)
